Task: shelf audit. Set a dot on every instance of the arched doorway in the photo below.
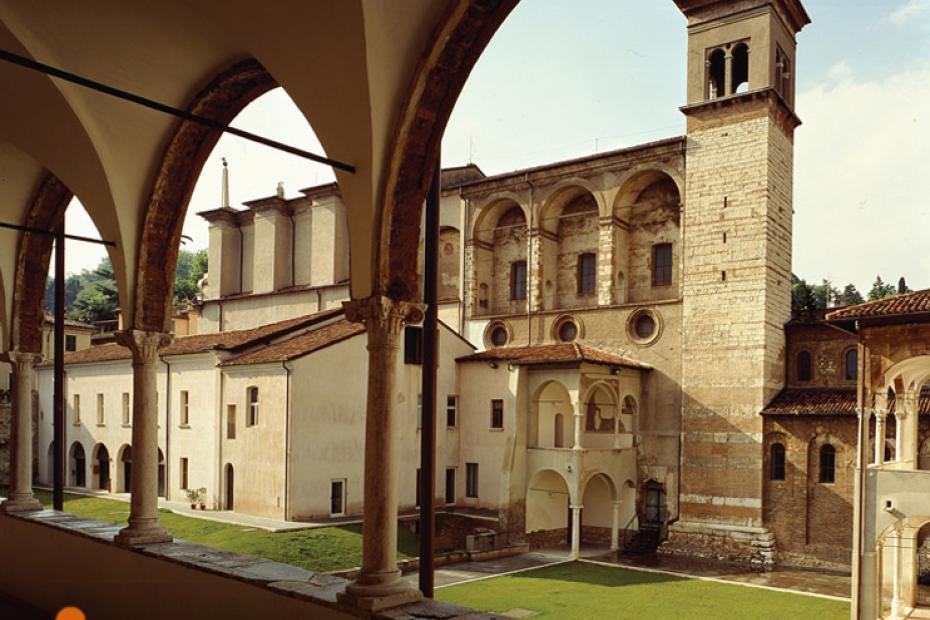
(77, 465)
(654, 504)
(124, 473)
(161, 473)
(547, 509)
(102, 467)
(552, 419)
(230, 487)
(597, 517)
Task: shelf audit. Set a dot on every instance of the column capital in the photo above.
(22, 360)
(383, 314)
(144, 345)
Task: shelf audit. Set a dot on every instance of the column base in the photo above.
(131, 537)
(377, 596)
(21, 504)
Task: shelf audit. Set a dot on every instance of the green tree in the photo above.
(98, 298)
(190, 269)
(824, 293)
(880, 290)
(802, 297)
(850, 296)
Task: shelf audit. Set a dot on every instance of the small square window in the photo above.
(70, 343)
(452, 405)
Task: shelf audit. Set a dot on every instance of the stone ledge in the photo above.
(317, 588)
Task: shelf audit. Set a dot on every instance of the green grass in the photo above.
(320, 549)
(582, 591)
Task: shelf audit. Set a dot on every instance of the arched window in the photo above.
(740, 76)
(852, 364)
(805, 366)
(777, 471)
(252, 414)
(518, 280)
(716, 69)
(827, 463)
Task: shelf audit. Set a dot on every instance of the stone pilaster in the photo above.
(143, 525)
(606, 281)
(536, 270)
(24, 377)
(379, 584)
(881, 415)
(470, 295)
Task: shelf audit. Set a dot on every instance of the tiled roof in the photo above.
(813, 401)
(50, 320)
(299, 346)
(553, 354)
(908, 303)
(199, 343)
(829, 401)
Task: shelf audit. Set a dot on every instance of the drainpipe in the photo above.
(167, 429)
(287, 437)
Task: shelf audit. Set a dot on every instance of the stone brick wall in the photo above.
(827, 347)
(547, 538)
(811, 520)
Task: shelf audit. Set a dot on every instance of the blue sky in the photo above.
(563, 79)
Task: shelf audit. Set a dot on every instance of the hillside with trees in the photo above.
(91, 295)
(810, 297)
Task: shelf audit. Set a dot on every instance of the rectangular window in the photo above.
(183, 470)
(497, 413)
(185, 408)
(101, 415)
(452, 405)
(413, 345)
(587, 274)
(230, 421)
(76, 408)
(70, 343)
(471, 479)
(337, 498)
(518, 280)
(450, 485)
(127, 408)
(662, 264)
(252, 413)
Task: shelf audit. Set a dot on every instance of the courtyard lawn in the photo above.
(319, 549)
(580, 590)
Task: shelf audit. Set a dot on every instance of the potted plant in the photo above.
(193, 496)
(202, 497)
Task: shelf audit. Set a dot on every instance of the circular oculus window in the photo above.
(644, 327)
(499, 336)
(568, 331)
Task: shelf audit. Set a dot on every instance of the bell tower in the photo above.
(736, 266)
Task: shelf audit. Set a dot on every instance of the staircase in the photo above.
(645, 539)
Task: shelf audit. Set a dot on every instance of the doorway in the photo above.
(230, 486)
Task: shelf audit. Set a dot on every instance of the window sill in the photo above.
(126, 425)
(452, 428)
(100, 424)
(184, 425)
(75, 424)
(496, 430)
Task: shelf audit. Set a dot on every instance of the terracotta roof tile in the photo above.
(299, 346)
(200, 343)
(908, 303)
(553, 354)
(813, 401)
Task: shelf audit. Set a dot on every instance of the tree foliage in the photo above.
(92, 295)
(881, 290)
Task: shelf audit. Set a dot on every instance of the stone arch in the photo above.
(77, 465)
(551, 399)
(570, 185)
(499, 243)
(548, 498)
(599, 492)
(124, 469)
(647, 235)
(188, 148)
(101, 460)
(569, 223)
(463, 33)
(601, 407)
(32, 263)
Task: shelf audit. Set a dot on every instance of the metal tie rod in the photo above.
(28, 63)
(49, 233)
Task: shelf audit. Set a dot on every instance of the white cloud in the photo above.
(840, 72)
(860, 168)
(908, 10)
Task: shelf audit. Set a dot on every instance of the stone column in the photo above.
(21, 498)
(379, 584)
(606, 280)
(615, 527)
(143, 528)
(576, 532)
(896, 576)
(579, 423)
(880, 415)
(909, 432)
(900, 418)
(728, 73)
